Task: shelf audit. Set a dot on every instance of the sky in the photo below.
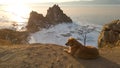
(58, 1)
(34, 1)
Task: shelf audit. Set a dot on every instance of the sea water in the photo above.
(93, 15)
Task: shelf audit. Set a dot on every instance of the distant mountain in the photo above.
(95, 2)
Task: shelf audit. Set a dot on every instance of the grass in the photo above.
(53, 56)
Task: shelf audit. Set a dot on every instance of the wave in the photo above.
(60, 33)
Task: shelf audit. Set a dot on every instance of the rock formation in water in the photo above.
(110, 34)
(36, 21)
(54, 16)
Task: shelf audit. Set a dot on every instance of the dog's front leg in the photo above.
(68, 50)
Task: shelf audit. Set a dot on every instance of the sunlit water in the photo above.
(82, 15)
(19, 13)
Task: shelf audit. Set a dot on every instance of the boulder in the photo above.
(110, 34)
(54, 16)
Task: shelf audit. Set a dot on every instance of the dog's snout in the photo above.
(65, 43)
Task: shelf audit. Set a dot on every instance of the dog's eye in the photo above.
(71, 44)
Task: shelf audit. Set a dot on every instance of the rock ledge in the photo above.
(110, 34)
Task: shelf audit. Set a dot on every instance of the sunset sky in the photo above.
(33, 1)
(58, 1)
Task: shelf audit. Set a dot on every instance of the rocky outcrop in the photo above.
(54, 16)
(110, 34)
(35, 22)
(9, 37)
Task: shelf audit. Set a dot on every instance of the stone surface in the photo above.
(54, 16)
(36, 21)
(110, 34)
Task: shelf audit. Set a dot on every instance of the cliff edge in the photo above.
(53, 56)
(110, 34)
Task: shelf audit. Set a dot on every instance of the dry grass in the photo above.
(53, 56)
(8, 36)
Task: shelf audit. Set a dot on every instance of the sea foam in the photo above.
(60, 33)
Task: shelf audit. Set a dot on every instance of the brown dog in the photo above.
(76, 49)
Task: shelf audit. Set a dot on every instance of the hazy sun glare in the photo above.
(33, 1)
(18, 11)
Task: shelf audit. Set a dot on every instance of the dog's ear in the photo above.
(71, 38)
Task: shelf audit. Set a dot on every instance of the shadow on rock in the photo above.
(101, 62)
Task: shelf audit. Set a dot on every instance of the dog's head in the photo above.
(71, 42)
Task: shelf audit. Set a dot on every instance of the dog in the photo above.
(76, 49)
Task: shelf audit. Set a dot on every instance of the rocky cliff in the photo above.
(54, 16)
(36, 21)
(110, 34)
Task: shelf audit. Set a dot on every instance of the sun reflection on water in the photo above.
(19, 12)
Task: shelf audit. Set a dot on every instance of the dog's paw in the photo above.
(66, 50)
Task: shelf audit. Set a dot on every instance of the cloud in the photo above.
(94, 2)
(86, 0)
(107, 1)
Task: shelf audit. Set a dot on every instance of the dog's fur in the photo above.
(76, 49)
